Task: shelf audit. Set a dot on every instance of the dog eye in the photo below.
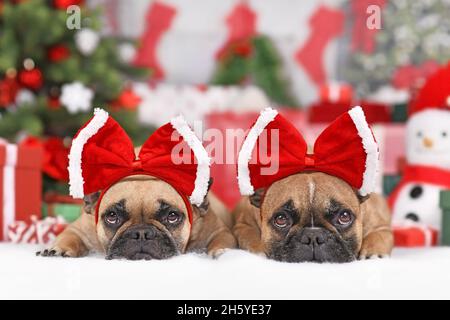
(173, 217)
(344, 218)
(281, 220)
(419, 134)
(444, 134)
(112, 218)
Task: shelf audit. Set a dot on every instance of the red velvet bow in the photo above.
(346, 149)
(102, 154)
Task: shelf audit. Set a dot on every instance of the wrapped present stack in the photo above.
(20, 183)
(336, 99)
(415, 235)
(445, 206)
(61, 206)
(36, 231)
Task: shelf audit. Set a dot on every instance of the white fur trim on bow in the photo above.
(203, 160)
(245, 185)
(76, 180)
(370, 147)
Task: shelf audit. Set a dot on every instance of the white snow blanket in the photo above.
(410, 273)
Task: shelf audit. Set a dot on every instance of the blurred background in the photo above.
(216, 61)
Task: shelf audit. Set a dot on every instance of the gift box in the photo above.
(326, 112)
(389, 183)
(20, 183)
(415, 235)
(391, 143)
(336, 93)
(399, 112)
(56, 205)
(36, 231)
(444, 203)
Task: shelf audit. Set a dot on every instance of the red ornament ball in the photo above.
(243, 48)
(31, 79)
(126, 100)
(8, 91)
(58, 53)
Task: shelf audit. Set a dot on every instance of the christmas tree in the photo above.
(55, 66)
(52, 73)
(256, 60)
(414, 34)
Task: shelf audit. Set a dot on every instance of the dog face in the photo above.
(141, 217)
(311, 217)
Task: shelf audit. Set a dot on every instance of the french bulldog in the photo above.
(142, 217)
(313, 216)
(142, 203)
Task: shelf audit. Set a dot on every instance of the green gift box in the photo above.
(70, 212)
(399, 112)
(444, 203)
(389, 183)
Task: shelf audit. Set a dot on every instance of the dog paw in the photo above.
(216, 253)
(56, 252)
(373, 256)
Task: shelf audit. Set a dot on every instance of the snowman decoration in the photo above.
(416, 199)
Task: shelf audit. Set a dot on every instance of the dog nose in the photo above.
(142, 233)
(313, 236)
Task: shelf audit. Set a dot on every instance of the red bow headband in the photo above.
(102, 154)
(346, 149)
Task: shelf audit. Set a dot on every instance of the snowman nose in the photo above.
(427, 142)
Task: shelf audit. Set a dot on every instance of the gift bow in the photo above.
(346, 149)
(102, 154)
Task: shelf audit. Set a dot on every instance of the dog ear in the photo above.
(361, 198)
(204, 207)
(257, 197)
(90, 201)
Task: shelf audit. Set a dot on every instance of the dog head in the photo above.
(141, 217)
(310, 217)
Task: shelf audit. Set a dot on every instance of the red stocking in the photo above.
(241, 23)
(158, 21)
(326, 24)
(363, 38)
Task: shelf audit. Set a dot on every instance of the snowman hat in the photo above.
(345, 149)
(102, 154)
(435, 94)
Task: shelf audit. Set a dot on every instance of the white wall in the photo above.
(187, 50)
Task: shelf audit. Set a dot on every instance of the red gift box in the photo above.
(20, 183)
(336, 93)
(415, 236)
(327, 112)
(36, 231)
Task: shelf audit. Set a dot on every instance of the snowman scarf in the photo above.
(421, 174)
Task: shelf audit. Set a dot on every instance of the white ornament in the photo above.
(76, 97)
(157, 106)
(25, 96)
(428, 138)
(193, 103)
(251, 99)
(87, 41)
(390, 95)
(127, 51)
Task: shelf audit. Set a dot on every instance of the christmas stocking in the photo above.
(363, 38)
(241, 23)
(326, 24)
(159, 19)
